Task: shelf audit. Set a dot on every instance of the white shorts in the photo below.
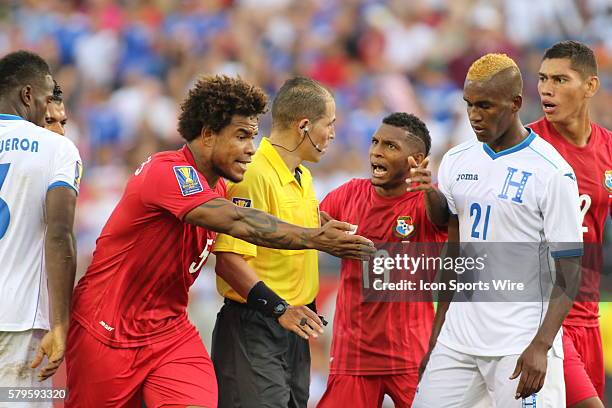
(458, 380)
(17, 350)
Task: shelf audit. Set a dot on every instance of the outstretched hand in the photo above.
(338, 238)
(420, 176)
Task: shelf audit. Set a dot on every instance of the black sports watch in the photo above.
(279, 309)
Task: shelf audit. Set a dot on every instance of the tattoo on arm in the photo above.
(260, 221)
(261, 228)
(266, 230)
(216, 204)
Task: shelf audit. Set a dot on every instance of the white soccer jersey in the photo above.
(33, 160)
(526, 197)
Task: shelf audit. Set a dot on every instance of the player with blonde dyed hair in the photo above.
(503, 348)
(485, 67)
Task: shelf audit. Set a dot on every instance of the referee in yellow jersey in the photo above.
(259, 347)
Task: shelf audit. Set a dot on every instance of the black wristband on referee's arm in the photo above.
(262, 298)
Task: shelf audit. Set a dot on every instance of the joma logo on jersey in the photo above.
(188, 180)
(467, 176)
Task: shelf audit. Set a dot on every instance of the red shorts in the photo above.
(176, 371)
(368, 391)
(583, 365)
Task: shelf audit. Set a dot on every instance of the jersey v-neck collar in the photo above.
(523, 144)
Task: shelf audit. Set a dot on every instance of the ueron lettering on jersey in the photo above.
(14, 143)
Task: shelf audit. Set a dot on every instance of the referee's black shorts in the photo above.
(258, 363)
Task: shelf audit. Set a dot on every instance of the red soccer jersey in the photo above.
(377, 338)
(592, 165)
(135, 291)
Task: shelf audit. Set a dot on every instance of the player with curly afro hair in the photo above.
(213, 101)
(219, 120)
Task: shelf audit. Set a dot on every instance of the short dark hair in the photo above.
(21, 68)
(581, 57)
(213, 101)
(412, 125)
(57, 93)
(299, 97)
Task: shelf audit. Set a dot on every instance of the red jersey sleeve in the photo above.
(331, 203)
(335, 202)
(176, 187)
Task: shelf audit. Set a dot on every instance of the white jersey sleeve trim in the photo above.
(62, 184)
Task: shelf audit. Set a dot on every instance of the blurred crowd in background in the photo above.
(124, 67)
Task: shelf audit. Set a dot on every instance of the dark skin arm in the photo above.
(260, 228)
(436, 205)
(235, 270)
(532, 363)
(324, 217)
(445, 297)
(60, 258)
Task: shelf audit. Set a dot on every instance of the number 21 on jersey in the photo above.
(480, 223)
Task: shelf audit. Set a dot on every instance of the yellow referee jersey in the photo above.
(270, 186)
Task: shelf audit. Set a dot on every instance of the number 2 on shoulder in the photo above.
(585, 204)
